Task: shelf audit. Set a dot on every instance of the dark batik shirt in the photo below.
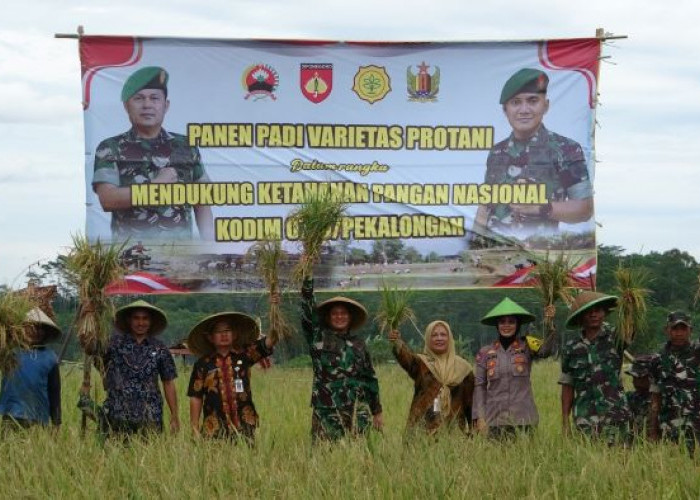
(227, 411)
(132, 371)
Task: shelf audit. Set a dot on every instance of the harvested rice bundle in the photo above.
(267, 255)
(315, 218)
(91, 268)
(632, 302)
(394, 308)
(13, 311)
(552, 284)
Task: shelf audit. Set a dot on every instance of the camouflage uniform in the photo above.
(592, 368)
(675, 374)
(345, 391)
(546, 158)
(127, 159)
(640, 404)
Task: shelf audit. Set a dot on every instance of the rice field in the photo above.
(42, 464)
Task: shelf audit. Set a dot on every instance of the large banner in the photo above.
(462, 164)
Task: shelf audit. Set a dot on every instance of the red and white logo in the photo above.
(316, 81)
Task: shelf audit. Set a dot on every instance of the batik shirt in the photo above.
(675, 374)
(127, 159)
(426, 390)
(132, 371)
(344, 378)
(547, 158)
(227, 411)
(592, 368)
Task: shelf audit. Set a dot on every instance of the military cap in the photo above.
(507, 307)
(525, 80)
(38, 317)
(640, 366)
(158, 319)
(358, 314)
(584, 301)
(246, 330)
(677, 317)
(150, 77)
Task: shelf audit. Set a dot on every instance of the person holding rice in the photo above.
(503, 400)
(134, 361)
(30, 394)
(345, 393)
(591, 363)
(443, 381)
(219, 388)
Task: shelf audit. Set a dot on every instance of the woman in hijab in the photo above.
(503, 401)
(444, 382)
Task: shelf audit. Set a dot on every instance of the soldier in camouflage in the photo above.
(675, 374)
(147, 153)
(590, 381)
(345, 393)
(639, 399)
(534, 155)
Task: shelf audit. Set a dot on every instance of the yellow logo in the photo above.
(371, 83)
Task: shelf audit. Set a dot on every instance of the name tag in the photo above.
(239, 385)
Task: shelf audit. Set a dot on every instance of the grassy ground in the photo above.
(40, 464)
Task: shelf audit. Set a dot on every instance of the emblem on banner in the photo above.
(316, 81)
(371, 83)
(260, 81)
(423, 87)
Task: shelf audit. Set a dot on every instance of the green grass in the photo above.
(40, 464)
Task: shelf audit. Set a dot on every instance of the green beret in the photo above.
(150, 77)
(525, 80)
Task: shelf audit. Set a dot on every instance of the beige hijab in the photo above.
(448, 368)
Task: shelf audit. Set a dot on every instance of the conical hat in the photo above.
(358, 314)
(586, 300)
(158, 319)
(245, 326)
(39, 317)
(507, 307)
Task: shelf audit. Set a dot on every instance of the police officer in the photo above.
(147, 153)
(533, 154)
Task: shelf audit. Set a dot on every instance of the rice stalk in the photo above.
(552, 283)
(90, 268)
(632, 302)
(13, 311)
(394, 307)
(315, 218)
(267, 254)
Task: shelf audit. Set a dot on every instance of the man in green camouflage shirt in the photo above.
(590, 380)
(345, 393)
(147, 153)
(534, 155)
(675, 374)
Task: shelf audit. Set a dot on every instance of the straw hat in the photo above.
(244, 326)
(158, 319)
(584, 301)
(358, 314)
(507, 307)
(38, 317)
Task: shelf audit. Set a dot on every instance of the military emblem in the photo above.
(423, 86)
(371, 83)
(260, 81)
(316, 81)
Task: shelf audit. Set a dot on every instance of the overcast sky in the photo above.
(647, 142)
